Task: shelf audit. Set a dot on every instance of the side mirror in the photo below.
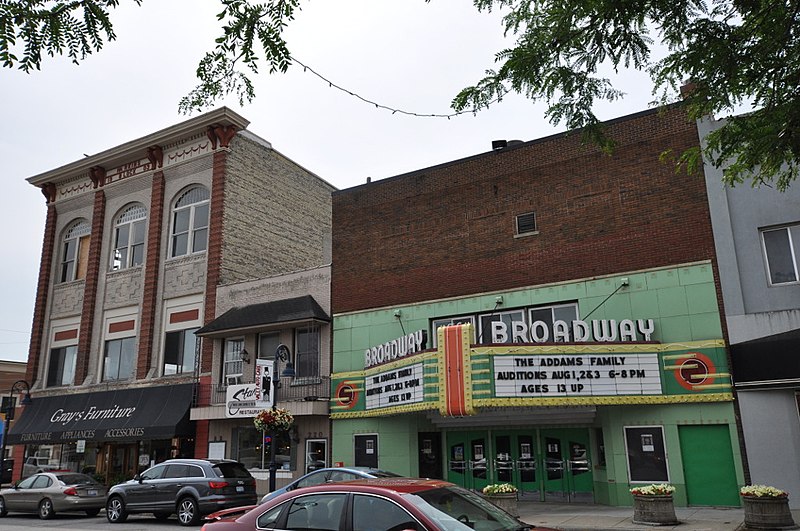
(138, 478)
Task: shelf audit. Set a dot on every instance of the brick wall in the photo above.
(277, 214)
(449, 230)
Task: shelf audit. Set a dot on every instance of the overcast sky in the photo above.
(404, 54)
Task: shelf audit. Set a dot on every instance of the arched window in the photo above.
(129, 231)
(190, 222)
(75, 251)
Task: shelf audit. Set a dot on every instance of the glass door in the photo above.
(467, 463)
(566, 465)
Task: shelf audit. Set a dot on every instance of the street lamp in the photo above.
(9, 404)
(281, 354)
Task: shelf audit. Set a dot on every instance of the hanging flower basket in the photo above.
(653, 505)
(272, 420)
(503, 495)
(766, 508)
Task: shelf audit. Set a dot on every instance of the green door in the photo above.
(467, 454)
(708, 465)
(566, 465)
(515, 460)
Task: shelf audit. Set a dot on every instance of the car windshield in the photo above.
(457, 509)
(231, 470)
(76, 479)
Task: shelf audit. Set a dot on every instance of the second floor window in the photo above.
(120, 359)
(75, 251)
(180, 351)
(306, 363)
(129, 231)
(61, 370)
(190, 222)
(781, 253)
(232, 364)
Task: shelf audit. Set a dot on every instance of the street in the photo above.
(61, 521)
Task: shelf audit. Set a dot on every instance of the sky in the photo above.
(404, 54)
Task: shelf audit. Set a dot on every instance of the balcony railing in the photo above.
(291, 390)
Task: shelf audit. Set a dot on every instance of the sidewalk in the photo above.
(585, 517)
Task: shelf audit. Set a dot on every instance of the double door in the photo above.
(544, 464)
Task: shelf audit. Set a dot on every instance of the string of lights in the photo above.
(394, 110)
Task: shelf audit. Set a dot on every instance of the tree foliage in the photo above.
(734, 52)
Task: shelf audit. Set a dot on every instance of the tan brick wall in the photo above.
(277, 214)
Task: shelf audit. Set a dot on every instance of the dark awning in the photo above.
(123, 415)
(769, 360)
(258, 315)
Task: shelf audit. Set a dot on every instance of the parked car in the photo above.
(331, 475)
(48, 493)
(380, 504)
(34, 465)
(189, 488)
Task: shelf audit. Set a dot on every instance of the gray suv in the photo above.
(189, 488)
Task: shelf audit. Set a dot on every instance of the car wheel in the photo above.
(161, 516)
(92, 512)
(188, 511)
(46, 509)
(115, 510)
(3, 510)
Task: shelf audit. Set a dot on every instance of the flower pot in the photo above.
(507, 502)
(767, 513)
(654, 510)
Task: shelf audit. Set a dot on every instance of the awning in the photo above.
(145, 413)
(255, 316)
(766, 361)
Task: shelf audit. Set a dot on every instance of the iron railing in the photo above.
(291, 390)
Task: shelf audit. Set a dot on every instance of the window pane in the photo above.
(122, 236)
(307, 355)
(56, 364)
(138, 254)
(267, 345)
(69, 250)
(127, 358)
(189, 348)
(779, 256)
(180, 221)
(172, 352)
(179, 244)
(68, 370)
(199, 240)
(111, 369)
(138, 232)
(201, 216)
(121, 258)
(377, 513)
(647, 458)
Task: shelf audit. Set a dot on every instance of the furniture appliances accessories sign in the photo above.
(535, 376)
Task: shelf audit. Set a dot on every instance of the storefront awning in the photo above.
(123, 415)
(255, 316)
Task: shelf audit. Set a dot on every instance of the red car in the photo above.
(380, 504)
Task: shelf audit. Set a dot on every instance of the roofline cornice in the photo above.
(222, 116)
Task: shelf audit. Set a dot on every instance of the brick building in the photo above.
(542, 314)
(138, 239)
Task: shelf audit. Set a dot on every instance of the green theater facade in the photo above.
(573, 392)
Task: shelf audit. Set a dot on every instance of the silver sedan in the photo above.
(47, 493)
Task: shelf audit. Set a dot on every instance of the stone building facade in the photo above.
(137, 240)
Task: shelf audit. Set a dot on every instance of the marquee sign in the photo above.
(460, 378)
(577, 375)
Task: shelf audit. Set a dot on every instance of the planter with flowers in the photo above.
(653, 505)
(504, 495)
(766, 508)
(273, 420)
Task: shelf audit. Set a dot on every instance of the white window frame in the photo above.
(232, 364)
(791, 232)
(132, 219)
(57, 327)
(76, 236)
(192, 229)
